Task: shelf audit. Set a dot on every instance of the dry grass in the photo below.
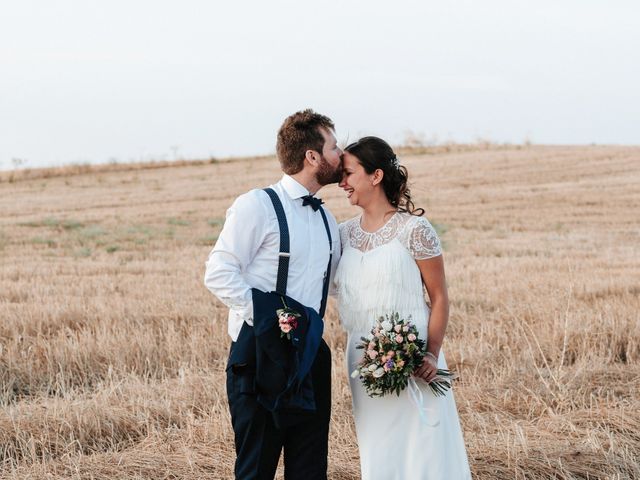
(112, 352)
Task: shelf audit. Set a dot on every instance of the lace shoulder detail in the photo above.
(352, 232)
(422, 239)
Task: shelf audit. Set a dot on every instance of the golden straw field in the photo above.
(112, 352)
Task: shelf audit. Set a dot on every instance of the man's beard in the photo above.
(327, 174)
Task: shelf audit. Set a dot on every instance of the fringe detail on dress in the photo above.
(389, 277)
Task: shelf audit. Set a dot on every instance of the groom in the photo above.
(246, 256)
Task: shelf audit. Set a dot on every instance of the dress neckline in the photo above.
(388, 222)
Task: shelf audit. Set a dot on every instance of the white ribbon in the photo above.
(428, 416)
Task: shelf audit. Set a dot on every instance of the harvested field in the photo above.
(112, 352)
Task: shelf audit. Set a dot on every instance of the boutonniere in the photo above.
(287, 320)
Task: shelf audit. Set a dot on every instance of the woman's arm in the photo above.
(432, 272)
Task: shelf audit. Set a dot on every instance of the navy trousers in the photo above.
(259, 442)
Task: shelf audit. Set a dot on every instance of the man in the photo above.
(246, 256)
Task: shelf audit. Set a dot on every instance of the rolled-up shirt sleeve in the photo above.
(241, 237)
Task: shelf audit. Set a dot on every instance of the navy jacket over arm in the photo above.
(282, 366)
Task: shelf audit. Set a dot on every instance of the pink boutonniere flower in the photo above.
(287, 321)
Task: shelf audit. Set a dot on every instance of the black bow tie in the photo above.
(313, 201)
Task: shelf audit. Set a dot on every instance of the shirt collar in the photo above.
(293, 188)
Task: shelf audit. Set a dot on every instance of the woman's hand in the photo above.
(428, 370)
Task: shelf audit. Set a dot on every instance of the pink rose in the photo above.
(411, 337)
(397, 328)
(287, 322)
(372, 354)
(391, 353)
(405, 329)
(399, 338)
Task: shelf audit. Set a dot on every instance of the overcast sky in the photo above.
(93, 81)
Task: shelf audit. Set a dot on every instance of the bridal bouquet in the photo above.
(392, 352)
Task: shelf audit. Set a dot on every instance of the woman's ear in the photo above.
(378, 175)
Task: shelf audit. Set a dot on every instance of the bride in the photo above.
(390, 255)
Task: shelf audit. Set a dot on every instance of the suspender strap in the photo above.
(327, 275)
(283, 264)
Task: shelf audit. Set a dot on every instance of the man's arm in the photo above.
(241, 237)
(336, 251)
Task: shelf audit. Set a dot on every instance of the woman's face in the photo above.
(356, 182)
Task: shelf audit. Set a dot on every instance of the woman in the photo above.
(389, 253)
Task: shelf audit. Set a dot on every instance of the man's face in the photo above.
(330, 169)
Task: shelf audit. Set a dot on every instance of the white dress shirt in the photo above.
(246, 253)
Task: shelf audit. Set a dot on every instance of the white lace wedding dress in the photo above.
(378, 275)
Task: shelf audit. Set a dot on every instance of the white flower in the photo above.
(379, 372)
(372, 367)
(355, 373)
(370, 337)
(387, 325)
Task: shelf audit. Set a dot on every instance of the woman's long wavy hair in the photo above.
(373, 153)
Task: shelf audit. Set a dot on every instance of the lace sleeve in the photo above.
(423, 240)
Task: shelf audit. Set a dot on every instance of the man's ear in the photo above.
(378, 175)
(312, 157)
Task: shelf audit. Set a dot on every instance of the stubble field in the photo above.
(112, 352)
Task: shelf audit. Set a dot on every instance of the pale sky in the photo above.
(91, 81)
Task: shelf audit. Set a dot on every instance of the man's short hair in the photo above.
(300, 132)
